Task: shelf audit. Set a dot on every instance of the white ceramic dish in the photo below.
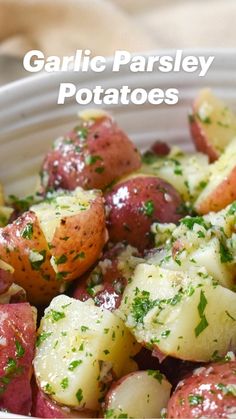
(30, 117)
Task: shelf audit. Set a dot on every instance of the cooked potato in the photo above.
(185, 316)
(106, 282)
(142, 394)
(221, 188)
(188, 173)
(54, 242)
(18, 333)
(44, 407)
(81, 349)
(93, 155)
(212, 124)
(205, 243)
(74, 227)
(133, 205)
(208, 392)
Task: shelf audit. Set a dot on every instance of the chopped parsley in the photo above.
(156, 374)
(225, 254)
(27, 231)
(37, 259)
(60, 260)
(64, 383)
(42, 337)
(84, 328)
(74, 364)
(148, 208)
(79, 395)
(20, 351)
(195, 399)
(91, 159)
(202, 325)
(189, 222)
(57, 315)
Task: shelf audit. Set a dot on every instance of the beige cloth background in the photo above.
(58, 27)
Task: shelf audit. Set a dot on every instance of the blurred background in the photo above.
(59, 27)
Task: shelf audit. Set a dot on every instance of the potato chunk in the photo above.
(183, 315)
(188, 173)
(142, 394)
(212, 124)
(80, 349)
(221, 188)
(56, 241)
(203, 242)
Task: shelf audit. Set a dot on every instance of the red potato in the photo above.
(140, 394)
(212, 124)
(38, 279)
(221, 188)
(93, 155)
(106, 282)
(44, 407)
(56, 241)
(18, 333)
(209, 392)
(133, 205)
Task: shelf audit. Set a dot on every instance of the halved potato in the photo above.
(221, 188)
(54, 242)
(188, 173)
(182, 315)
(142, 394)
(212, 124)
(203, 243)
(74, 226)
(81, 349)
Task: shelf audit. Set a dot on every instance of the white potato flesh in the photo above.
(65, 204)
(206, 243)
(219, 122)
(142, 394)
(188, 173)
(219, 171)
(185, 316)
(80, 348)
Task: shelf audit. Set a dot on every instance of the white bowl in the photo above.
(30, 117)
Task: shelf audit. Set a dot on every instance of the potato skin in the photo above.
(205, 393)
(18, 333)
(44, 407)
(38, 280)
(6, 279)
(91, 156)
(80, 238)
(133, 205)
(220, 197)
(200, 139)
